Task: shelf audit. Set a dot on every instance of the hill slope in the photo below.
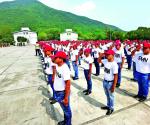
(48, 22)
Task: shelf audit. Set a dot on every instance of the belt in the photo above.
(59, 91)
(108, 81)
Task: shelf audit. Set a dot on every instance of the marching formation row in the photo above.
(57, 55)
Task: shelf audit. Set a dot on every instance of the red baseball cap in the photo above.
(138, 46)
(61, 54)
(49, 48)
(87, 51)
(146, 45)
(109, 52)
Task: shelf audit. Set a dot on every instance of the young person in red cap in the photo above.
(97, 52)
(129, 57)
(119, 58)
(143, 72)
(62, 86)
(137, 50)
(50, 71)
(74, 59)
(110, 79)
(87, 65)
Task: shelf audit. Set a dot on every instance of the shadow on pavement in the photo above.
(87, 98)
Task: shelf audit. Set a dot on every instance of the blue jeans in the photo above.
(125, 52)
(129, 61)
(89, 81)
(134, 71)
(143, 84)
(119, 74)
(68, 63)
(92, 54)
(51, 84)
(96, 63)
(66, 109)
(75, 68)
(110, 96)
(79, 60)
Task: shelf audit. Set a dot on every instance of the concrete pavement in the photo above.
(24, 97)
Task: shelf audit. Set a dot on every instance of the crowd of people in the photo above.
(57, 57)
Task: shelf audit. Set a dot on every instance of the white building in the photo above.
(26, 33)
(68, 35)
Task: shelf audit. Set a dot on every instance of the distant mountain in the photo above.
(47, 21)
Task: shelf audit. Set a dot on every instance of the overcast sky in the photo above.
(125, 14)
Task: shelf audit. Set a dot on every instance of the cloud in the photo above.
(53, 3)
(85, 8)
(5, 0)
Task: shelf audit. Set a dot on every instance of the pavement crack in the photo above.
(30, 119)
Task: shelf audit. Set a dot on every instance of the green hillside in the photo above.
(48, 22)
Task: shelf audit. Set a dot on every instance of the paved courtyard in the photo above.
(24, 97)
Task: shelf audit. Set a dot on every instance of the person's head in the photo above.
(110, 55)
(96, 45)
(118, 46)
(87, 52)
(146, 48)
(74, 47)
(48, 53)
(60, 58)
(48, 50)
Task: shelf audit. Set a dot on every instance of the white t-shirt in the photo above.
(96, 52)
(137, 52)
(142, 63)
(104, 47)
(73, 55)
(87, 61)
(50, 64)
(127, 50)
(118, 55)
(62, 74)
(110, 68)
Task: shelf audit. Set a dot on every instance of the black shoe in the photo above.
(117, 86)
(61, 123)
(105, 108)
(51, 98)
(75, 78)
(53, 101)
(142, 99)
(133, 80)
(88, 93)
(85, 91)
(136, 96)
(96, 75)
(109, 112)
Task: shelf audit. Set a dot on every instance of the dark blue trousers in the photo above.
(89, 81)
(134, 71)
(129, 61)
(96, 63)
(119, 74)
(143, 84)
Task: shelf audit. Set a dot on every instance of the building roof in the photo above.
(25, 29)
